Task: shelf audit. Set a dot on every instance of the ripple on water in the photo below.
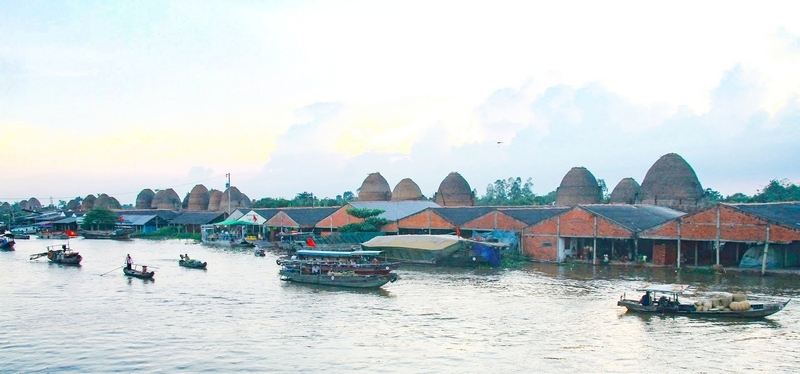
(238, 316)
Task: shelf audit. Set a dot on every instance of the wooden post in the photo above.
(696, 252)
(679, 244)
(716, 243)
(766, 249)
(594, 243)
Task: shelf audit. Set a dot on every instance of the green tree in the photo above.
(777, 191)
(712, 196)
(371, 221)
(604, 196)
(738, 198)
(100, 219)
(269, 202)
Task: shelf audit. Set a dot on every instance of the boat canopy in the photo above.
(665, 288)
(420, 242)
(308, 252)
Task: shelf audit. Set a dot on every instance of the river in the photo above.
(238, 316)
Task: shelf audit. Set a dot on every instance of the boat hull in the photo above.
(113, 235)
(8, 246)
(193, 264)
(350, 281)
(138, 274)
(755, 311)
(68, 260)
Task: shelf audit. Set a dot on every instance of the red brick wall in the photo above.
(494, 220)
(424, 220)
(541, 248)
(664, 253)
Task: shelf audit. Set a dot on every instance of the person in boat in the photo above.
(186, 257)
(129, 261)
(144, 269)
(64, 247)
(645, 300)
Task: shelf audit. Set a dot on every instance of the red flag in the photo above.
(255, 219)
(458, 232)
(121, 219)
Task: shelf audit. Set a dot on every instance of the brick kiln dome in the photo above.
(407, 190)
(627, 191)
(672, 182)
(198, 198)
(454, 191)
(73, 205)
(375, 188)
(579, 186)
(107, 202)
(88, 203)
(237, 200)
(166, 199)
(144, 200)
(5, 207)
(214, 199)
(34, 204)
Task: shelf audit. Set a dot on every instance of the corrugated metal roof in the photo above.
(533, 215)
(634, 217)
(266, 213)
(308, 217)
(395, 210)
(786, 213)
(137, 220)
(164, 214)
(463, 214)
(67, 220)
(198, 218)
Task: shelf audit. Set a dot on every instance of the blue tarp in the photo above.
(491, 254)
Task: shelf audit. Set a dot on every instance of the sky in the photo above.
(116, 96)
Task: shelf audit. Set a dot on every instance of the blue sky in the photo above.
(113, 97)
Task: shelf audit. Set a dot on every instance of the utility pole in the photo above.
(228, 189)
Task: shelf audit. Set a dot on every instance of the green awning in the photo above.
(235, 222)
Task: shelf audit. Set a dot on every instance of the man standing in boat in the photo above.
(129, 261)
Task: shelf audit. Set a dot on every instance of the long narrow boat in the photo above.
(136, 273)
(60, 254)
(334, 268)
(664, 299)
(193, 264)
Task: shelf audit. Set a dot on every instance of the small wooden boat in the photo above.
(60, 254)
(138, 273)
(7, 241)
(193, 264)
(663, 299)
(259, 252)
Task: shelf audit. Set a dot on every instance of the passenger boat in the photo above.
(193, 264)
(663, 299)
(60, 254)
(118, 234)
(7, 241)
(355, 269)
(139, 273)
(56, 235)
(360, 262)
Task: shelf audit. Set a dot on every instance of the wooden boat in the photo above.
(53, 235)
(193, 264)
(60, 254)
(664, 299)
(360, 262)
(138, 273)
(117, 234)
(308, 268)
(7, 241)
(260, 252)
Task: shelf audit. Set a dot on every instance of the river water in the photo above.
(237, 316)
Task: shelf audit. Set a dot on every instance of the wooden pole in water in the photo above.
(766, 249)
(716, 243)
(679, 244)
